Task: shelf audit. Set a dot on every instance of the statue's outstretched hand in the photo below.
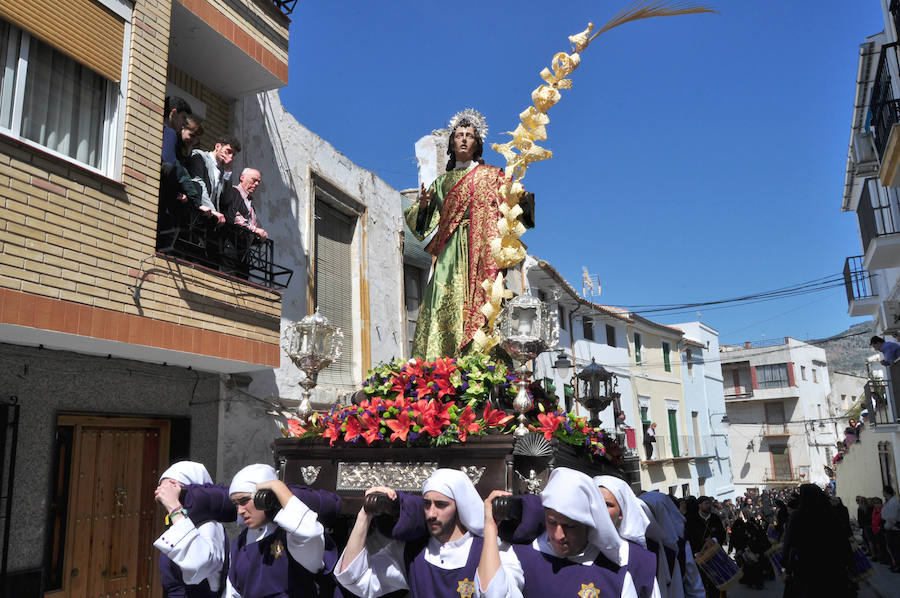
(425, 195)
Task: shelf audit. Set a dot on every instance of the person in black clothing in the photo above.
(864, 519)
(749, 542)
(816, 551)
(703, 526)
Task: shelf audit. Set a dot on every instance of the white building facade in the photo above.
(776, 398)
(704, 400)
(872, 191)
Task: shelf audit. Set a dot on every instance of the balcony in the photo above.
(861, 299)
(668, 448)
(877, 229)
(231, 250)
(774, 430)
(885, 115)
(783, 475)
(212, 46)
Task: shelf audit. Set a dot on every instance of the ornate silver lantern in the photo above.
(527, 328)
(312, 344)
(598, 390)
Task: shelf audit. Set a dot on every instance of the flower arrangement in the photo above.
(575, 430)
(419, 403)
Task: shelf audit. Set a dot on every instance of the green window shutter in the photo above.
(666, 361)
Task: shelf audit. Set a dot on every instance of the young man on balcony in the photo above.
(890, 351)
(211, 172)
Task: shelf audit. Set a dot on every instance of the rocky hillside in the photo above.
(847, 351)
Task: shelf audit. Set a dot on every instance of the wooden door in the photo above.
(112, 516)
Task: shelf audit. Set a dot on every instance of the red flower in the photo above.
(370, 427)
(433, 417)
(494, 418)
(353, 429)
(400, 426)
(467, 424)
(332, 432)
(549, 423)
(294, 427)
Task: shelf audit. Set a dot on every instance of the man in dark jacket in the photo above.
(703, 525)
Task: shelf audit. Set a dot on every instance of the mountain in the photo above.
(847, 351)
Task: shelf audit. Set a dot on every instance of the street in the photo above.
(882, 584)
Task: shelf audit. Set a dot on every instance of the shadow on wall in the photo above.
(279, 206)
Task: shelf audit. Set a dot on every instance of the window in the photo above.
(689, 359)
(562, 316)
(610, 335)
(803, 372)
(334, 286)
(772, 376)
(667, 362)
(637, 347)
(52, 100)
(815, 378)
(645, 418)
(587, 328)
(414, 287)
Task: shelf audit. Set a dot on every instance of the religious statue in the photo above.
(463, 205)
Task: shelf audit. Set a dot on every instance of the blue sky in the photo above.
(698, 157)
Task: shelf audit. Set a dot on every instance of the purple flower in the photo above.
(491, 368)
(464, 387)
(413, 435)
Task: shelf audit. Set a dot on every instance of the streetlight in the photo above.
(564, 370)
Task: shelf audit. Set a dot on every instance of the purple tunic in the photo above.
(266, 568)
(427, 580)
(173, 582)
(642, 566)
(547, 575)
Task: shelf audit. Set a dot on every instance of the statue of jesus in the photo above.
(462, 204)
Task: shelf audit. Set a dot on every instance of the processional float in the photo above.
(471, 412)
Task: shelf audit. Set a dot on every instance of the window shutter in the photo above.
(81, 29)
(753, 378)
(790, 371)
(334, 286)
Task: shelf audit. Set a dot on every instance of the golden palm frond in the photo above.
(646, 9)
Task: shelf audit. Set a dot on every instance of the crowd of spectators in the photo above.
(805, 529)
(203, 213)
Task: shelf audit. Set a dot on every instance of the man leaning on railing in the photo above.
(239, 212)
(888, 349)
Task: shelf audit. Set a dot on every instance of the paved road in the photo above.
(883, 584)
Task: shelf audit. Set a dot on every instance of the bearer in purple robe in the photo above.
(627, 515)
(579, 554)
(192, 551)
(277, 553)
(439, 562)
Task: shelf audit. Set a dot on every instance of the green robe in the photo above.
(439, 327)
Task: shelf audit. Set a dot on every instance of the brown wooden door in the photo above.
(112, 517)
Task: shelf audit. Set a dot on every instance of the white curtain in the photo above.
(65, 105)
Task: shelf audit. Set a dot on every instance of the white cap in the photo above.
(634, 522)
(455, 484)
(246, 479)
(187, 472)
(574, 495)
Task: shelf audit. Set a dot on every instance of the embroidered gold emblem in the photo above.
(277, 549)
(589, 591)
(466, 588)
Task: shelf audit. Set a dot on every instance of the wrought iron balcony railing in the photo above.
(782, 474)
(874, 221)
(885, 108)
(230, 249)
(856, 279)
